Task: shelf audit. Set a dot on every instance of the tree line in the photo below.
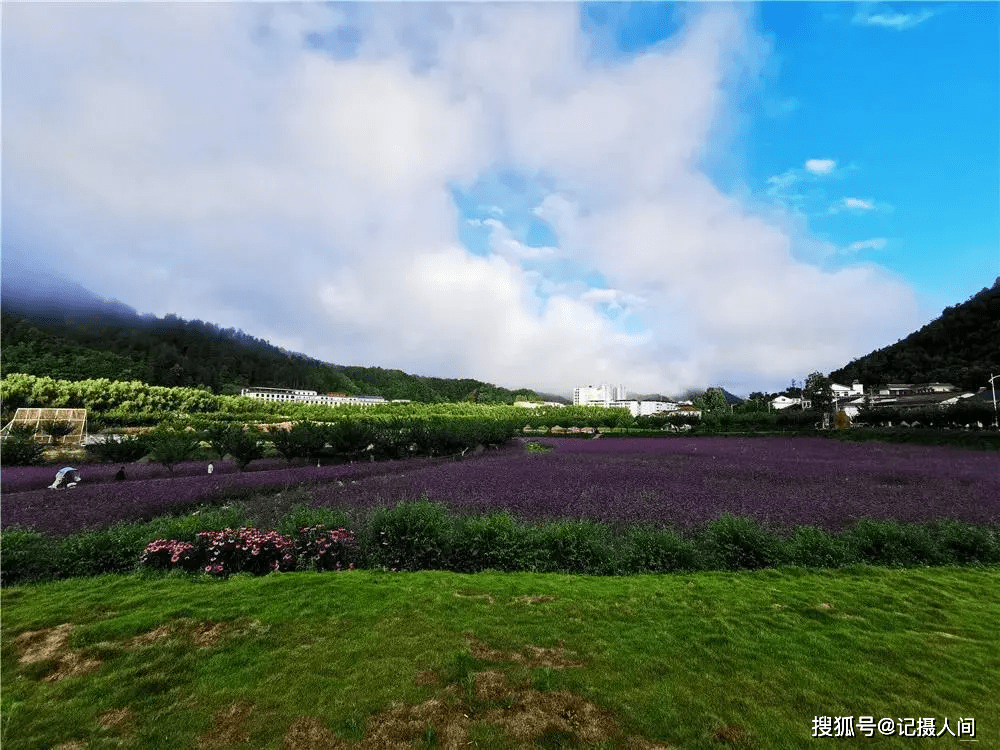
(173, 352)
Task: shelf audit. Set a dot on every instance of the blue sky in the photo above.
(910, 114)
(902, 99)
(544, 195)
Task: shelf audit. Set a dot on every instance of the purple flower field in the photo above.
(149, 490)
(680, 482)
(26, 478)
(683, 482)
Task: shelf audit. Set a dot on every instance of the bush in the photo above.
(411, 536)
(303, 440)
(891, 543)
(244, 550)
(27, 556)
(811, 547)
(116, 449)
(534, 446)
(349, 437)
(301, 515)
(572, 547)
(495, 542)
(962, 543)
(647, 550)
(20, 450)
(57, 430)
(220, 436)
(740, 543)
(111, 550)
(424, 536)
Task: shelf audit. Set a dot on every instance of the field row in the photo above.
(672, 482)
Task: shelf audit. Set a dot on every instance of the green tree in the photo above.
(119, 448)
(303, 440)
(819, 391)
(246, 447)
(712, 401)
(220, 435)
(170, 447)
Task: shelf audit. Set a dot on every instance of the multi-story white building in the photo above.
(293, 396)
(598, 395)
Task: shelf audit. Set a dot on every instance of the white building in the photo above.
(598, 395)
(646, 408)
(855, 390)
(293, 396)
(783, 402)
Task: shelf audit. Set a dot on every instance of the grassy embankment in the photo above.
(693, 661)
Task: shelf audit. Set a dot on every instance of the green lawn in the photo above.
(434, 659)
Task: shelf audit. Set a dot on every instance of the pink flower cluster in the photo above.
(157, 551)
(250, 550)
(329, 550)
(247, 549)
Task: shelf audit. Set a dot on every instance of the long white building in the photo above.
(293, 396)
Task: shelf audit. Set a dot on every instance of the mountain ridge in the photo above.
(56, 327)
(961, 346)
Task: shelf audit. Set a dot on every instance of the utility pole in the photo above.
(993, 387)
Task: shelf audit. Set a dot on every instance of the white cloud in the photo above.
(199, 159)
(858, 203)
(884, 17)
(876, 243)
(853, 205)
(502, 243)
(820, 166)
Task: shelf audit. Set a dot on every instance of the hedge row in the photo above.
(423, 535)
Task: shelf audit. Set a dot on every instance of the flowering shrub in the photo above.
(246, 550)
(163, 555)
(326, 549)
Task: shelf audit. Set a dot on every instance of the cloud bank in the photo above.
(291, 170)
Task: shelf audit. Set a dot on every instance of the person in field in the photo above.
(65, 477)
(120, 475)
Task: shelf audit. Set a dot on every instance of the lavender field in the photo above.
(685, 482)
(677, 482)
(150, 490)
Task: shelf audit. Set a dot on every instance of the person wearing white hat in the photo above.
(67, 476)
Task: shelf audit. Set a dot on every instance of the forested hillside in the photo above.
(961, 347)
(67, 333)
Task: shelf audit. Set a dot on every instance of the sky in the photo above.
(542, 195)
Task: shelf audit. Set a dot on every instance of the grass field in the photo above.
(435, 659)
